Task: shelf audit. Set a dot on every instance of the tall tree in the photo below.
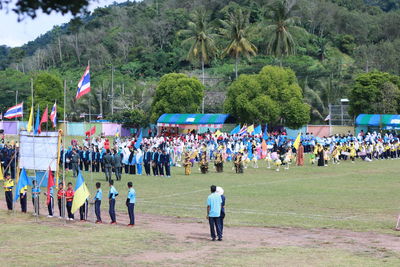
(281, 43)
(201, 39)
(235, 28)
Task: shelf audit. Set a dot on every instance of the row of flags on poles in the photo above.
(17, 111)
(80, 195)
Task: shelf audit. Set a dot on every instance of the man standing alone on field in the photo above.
(214, 203)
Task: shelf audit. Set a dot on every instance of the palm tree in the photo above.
(282, 42)
(201, 39)
(236, 29)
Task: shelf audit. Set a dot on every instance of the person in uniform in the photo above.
(117, 165)
(83, 210)
(204, 163)
(108, 163)
(147, 160)
(69, 197)
(8, 187)
(75, 161)
(111, 196)
(239, 163)
(187, 164)
(35, 197)
(166, 161)
(154, 159)
(219, 163)
(60, 195)
(160, 163)
(97, 203)
(130, 203)
(50, 204)
(23, 199)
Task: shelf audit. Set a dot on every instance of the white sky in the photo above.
(14, 33)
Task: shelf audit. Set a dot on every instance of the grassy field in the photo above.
(361, 197)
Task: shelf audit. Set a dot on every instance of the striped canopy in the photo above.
(378, 120)
(174, 120)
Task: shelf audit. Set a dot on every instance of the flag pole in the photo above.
(35, 200)
(63, 146)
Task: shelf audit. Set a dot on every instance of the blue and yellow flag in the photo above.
(22, 182)
(81, 193)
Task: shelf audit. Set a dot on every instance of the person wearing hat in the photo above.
(220, 191)
(130, 203)
(8, 186)
(214, 205)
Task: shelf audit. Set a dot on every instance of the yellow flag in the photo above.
(250, 129)
(218, 133)
(297, 142)
(1, 173)
(29, 127)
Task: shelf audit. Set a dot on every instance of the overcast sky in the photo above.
(14, 33)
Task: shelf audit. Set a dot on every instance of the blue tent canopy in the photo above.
(174, 120)
(378, 120)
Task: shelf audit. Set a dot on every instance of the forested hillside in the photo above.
(327, 43)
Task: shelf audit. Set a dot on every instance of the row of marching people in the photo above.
(154, 161)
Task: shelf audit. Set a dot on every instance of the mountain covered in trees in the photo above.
(327, 44)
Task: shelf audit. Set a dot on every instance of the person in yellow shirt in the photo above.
(8, 186)
(23, 198)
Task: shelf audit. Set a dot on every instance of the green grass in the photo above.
(360, 197)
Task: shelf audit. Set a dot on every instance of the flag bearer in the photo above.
(50, 202)
(60, 195)
(35, 197)
(8, 186)
(130, 203)
(22, 198)
(69, 197)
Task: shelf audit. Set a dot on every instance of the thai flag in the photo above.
(83, 85)
(53, 115)
(16, 111)
(243, 131)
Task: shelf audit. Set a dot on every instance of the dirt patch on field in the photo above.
(192, 239)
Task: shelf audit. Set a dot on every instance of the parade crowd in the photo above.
(156, 154)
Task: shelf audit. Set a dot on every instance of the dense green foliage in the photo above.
(177, 93)
(375, 92)
(271, 96)
(327, 43)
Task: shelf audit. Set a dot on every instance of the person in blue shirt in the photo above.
(214, 204)
(97, 202)
(147, 160)
(130, 203)
(35, 197)
(111, 196)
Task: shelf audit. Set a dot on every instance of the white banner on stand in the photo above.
(38, 152)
